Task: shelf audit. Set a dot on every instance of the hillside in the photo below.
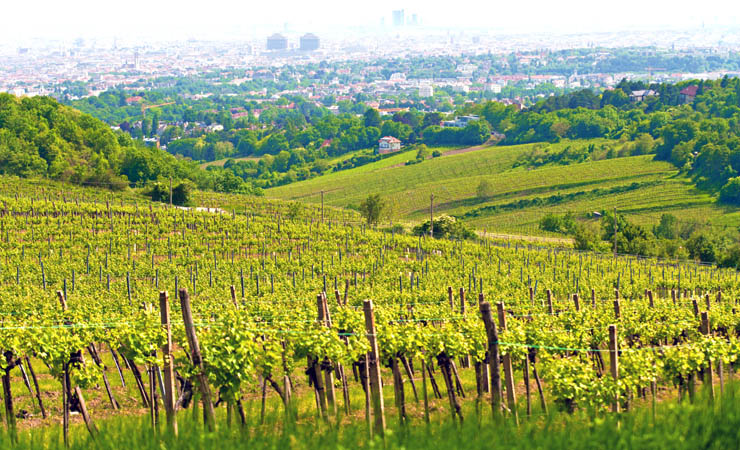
(638, 186)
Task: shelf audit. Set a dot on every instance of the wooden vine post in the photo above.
(508, 370)
(614, 363)
(493, 357)
(67, 387)
(374, 368)
(549, 302)
(465, 360)
(323, 317)
(169, 373)
(424, 389)
(617, 309)
(708, 374)
(205, 389)
(593, 298)
(7, 395)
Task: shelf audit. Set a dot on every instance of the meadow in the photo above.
(453, 180)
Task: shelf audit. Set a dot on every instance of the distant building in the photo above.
(388, 144)
(151, 142)
(398, 76)
(398, 18)
(309, 42)
(688, 94)
(460, 122)
(495, 88)
(641, 95)
(264, 75)
(426, 91)
(277, 42)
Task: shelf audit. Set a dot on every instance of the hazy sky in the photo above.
(221, 18)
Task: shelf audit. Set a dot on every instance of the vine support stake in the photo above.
(187, 317)
(508, 370)
(375, 380)
(708, 374)
(493, 356)
(169, 374)
(614, 363)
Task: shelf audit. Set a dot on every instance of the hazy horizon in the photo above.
(228, 19)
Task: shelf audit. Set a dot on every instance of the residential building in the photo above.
(460, 122)
(388, 144)
(426, 91)
(309, 42)
(688, 94)
(495, 88)
(277, 42)
(642, 95)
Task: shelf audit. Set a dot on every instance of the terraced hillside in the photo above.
(638, 186)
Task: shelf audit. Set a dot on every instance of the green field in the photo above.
(453, 179)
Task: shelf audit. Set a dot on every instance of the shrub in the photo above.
(444, 226)
(730, 192)
(484, 190)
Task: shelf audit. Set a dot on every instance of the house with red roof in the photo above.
(388, 144)
(688, 94)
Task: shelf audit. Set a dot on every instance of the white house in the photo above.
(426, 91)
(388, 144)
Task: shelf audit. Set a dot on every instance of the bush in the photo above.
(586, 237)
(371, 208)
(444, 226)
(730, 192)
(702, 247)
(558, 224)
(180, 193)
(484, 190)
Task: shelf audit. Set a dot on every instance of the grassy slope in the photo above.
(453, 180)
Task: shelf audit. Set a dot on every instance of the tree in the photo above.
(444, 226)
(432, 118)
(181, 193)
(372, 208)
(730, 192)
(423, 152)
(372, 118)
(667, 228)
(586, 237)
(484, 190)
(476, 133)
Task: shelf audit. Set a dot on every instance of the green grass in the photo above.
(703, 424)
(453, 180)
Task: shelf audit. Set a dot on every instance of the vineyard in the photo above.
(267, 302)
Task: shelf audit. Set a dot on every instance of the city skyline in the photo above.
(225, 19)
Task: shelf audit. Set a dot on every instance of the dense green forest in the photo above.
(40, 137)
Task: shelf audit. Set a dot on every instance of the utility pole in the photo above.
(615, 232)
(431, 215)
(322, 206)
(170, 192)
